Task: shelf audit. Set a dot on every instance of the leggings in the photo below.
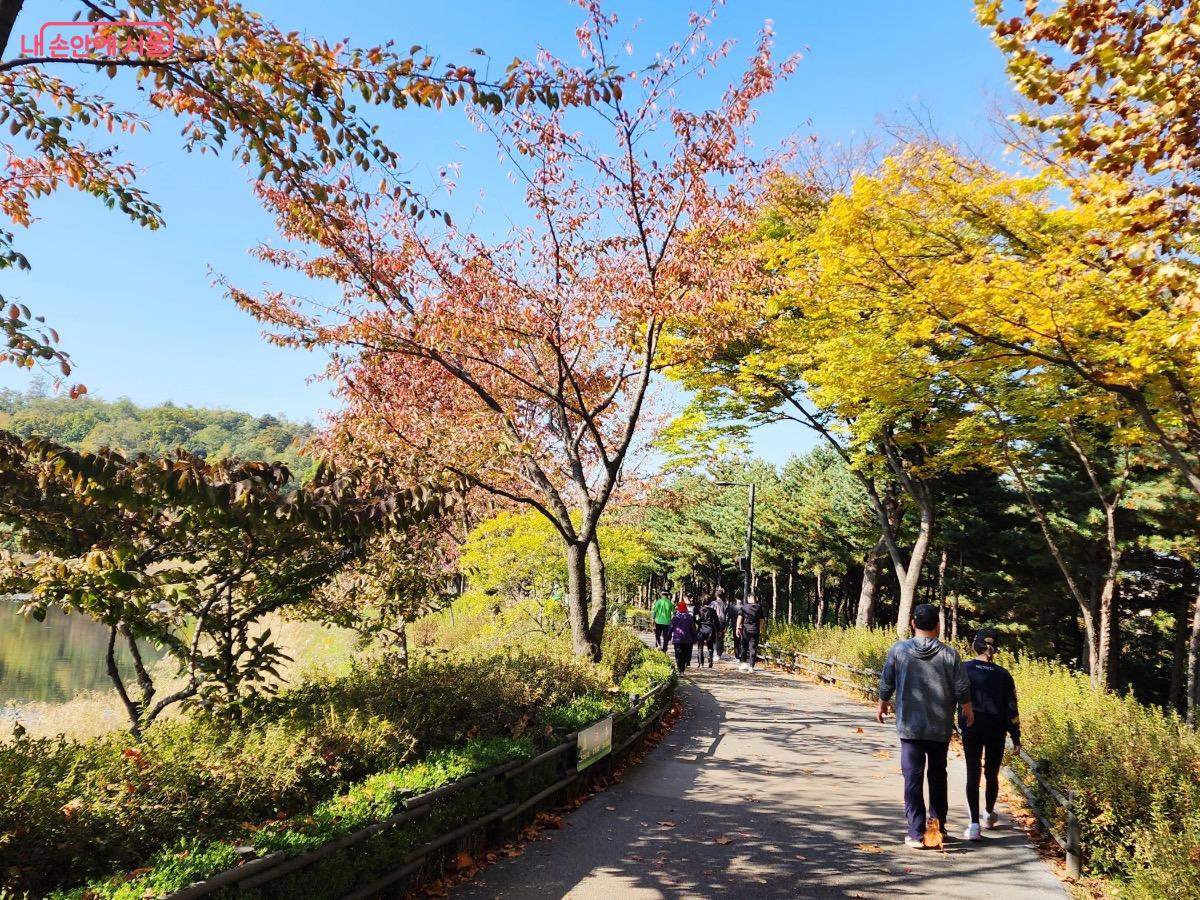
(988, 749)
(683, 656)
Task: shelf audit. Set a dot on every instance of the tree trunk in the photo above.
(1104, 622)
(1179, 655)
(870, 584)
(954, 598)
(774, 595)
(820, 599)
(400, 642)
(912, 575)
(577, 579)
(9, 10)
(940, 592)
(599, 604)
(791, 589)
(132, 708)
(1193, 664)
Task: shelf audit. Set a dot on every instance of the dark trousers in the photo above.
(660, 636)
(702, 643)
(987, 749)
(915, 758)
(749, 648)
(737, 643)
(720, 642)
(683, 656)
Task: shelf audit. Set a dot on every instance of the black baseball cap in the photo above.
(986, 638)
(926, 616)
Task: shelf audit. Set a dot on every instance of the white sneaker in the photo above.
(990, 820)
(918, 843)
(973, 833)
(744, 667)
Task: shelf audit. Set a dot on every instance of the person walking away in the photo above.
(732, 614)
(708, 625)
(927, 680)
(683, 636)
(718, 606)
(994, 701)
(750, 626)
(661, 613)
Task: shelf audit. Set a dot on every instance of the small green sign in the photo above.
(595, 742)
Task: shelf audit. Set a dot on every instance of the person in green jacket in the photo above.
(662, 611)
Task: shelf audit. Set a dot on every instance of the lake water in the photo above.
(54, 660)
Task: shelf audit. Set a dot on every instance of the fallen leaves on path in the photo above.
(723, 839)
(859, 730)
(666, 824)
(868, 848)
(882, 754)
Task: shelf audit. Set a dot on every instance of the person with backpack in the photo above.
(927, 681)
(683, 636)
(661, 613)
(732, 613)
(994, 700)
(718, 606)
(751, 617)
(708, 624)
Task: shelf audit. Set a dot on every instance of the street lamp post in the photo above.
(749, 536)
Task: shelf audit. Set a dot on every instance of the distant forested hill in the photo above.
(90, 424)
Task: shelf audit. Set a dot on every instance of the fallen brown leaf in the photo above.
(868, 848)
(464, 860)
(882, 754)
(666, 824)
(859, 730)
(724, 839)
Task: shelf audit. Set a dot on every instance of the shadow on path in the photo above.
(767, 787)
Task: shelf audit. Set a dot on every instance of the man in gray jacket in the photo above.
(927, 680)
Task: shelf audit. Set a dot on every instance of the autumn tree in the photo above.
(187, 554)
(524, 363)
(284, 107)
(831, 347)
(1114, 90)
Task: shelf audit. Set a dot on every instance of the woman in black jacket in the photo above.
(994, 700)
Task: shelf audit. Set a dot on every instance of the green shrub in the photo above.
(620, 651)
(1134, 768)
(88, 807)
(312, 763)
(376, 798)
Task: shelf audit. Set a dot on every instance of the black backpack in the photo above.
(709, 622)
(751, 614)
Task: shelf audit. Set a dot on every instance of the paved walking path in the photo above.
(809, 807)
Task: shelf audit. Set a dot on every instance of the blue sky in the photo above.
(137, 309)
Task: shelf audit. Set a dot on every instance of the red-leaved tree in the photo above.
(523, 364)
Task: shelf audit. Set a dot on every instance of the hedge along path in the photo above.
(472, 808)
(768, 786)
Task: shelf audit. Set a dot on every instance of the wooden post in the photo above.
(1074, 855)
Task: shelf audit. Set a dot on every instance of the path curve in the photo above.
(773, 792)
